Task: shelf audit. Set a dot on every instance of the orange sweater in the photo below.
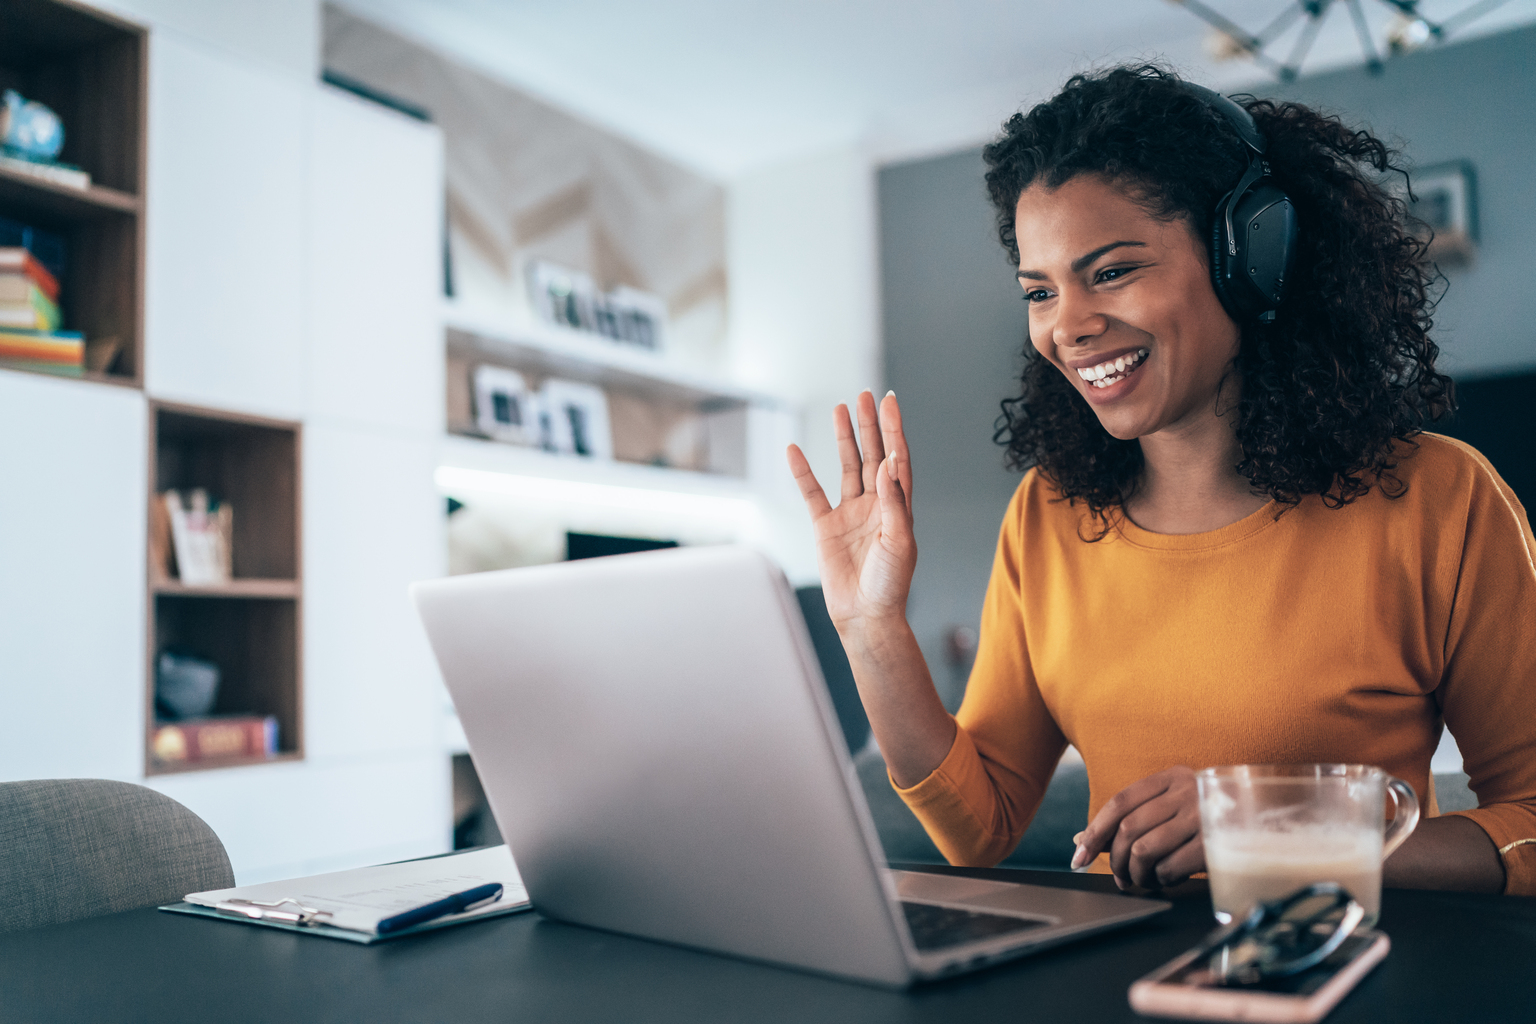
(1346, 634)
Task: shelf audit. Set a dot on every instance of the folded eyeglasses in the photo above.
(1282, 937)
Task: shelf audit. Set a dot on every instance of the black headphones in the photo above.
(1253, 232)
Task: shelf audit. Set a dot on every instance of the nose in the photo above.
(1078, 320)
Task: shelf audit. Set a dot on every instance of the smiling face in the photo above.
(1122, 303)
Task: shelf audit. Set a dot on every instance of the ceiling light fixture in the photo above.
(1409, 31)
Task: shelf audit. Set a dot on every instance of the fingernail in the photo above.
(1080, 857)
(890, 394)
(890, 467)
(1078, 839)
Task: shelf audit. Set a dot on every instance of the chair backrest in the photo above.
(74, 848)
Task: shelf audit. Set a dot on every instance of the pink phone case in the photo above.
(1156, 997)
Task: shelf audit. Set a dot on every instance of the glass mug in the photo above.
(1270, 829)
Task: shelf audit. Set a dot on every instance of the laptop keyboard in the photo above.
(941, 927)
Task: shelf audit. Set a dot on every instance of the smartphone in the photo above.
(1183, 987)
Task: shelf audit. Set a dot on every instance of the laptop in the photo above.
(662, 755)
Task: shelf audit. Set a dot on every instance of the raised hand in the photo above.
(865, 545)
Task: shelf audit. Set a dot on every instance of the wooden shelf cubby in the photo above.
(251, 626)
(91, 69)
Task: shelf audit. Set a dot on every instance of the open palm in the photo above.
(865, 545)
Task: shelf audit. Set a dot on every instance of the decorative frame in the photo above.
(1444, 210)
(505, 410)
(575, 419)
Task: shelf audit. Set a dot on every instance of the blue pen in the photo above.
(455, 904)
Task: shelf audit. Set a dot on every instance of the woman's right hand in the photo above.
(864, 546)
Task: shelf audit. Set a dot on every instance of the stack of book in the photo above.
(30, 325)
(215, 738)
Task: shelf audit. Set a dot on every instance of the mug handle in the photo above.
(1405, 815)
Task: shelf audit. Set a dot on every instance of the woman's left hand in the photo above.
(1151, 829)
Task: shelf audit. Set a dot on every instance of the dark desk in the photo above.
(1454, 958)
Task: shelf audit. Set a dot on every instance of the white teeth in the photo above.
(1111, 368)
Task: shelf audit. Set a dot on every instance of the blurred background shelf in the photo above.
(586, 357)
(209, 764)
(493, 457)
(36, 197)
(250, 626)
(91, 69)
(259, 588)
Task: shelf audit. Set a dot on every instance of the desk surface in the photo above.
(1455, 957)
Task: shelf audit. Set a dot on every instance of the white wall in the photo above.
(72, 533)
(804, 315)
(225, 273)
(281, 35)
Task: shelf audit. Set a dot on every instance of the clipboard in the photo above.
(348, 905)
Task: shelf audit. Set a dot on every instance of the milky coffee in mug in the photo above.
(1271, 829)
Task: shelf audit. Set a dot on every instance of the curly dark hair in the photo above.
(1347, 368)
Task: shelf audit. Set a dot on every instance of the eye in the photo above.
(1112, 274)
(1033, 295)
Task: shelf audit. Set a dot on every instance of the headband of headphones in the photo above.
(1254, 229)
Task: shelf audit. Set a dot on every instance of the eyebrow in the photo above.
(1082, 261)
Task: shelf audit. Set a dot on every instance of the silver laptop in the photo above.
(661, 753)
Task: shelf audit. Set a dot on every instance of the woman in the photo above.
(1232, 544)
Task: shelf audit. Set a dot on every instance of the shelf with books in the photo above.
(231, 609)
(80, 213)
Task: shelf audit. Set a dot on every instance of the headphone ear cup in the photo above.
(1220, 261)
(1265, 219)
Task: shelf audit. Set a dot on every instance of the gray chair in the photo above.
(74, 848)
(1453, 793)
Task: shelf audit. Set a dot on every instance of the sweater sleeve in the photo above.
(1488, 692)
(978, 802)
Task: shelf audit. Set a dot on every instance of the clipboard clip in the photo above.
(272, 910)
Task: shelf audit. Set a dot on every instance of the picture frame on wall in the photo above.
(1443, 209)
(569, 298)
(562, 296)
(575, 416)
(505, 408)
(640, 318)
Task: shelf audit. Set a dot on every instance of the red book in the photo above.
(204, 739)
(15, 259)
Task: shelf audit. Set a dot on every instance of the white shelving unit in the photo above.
(579, 355)
(492, 457)
(667, 393)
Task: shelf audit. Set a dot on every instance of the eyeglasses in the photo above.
(1282, 937)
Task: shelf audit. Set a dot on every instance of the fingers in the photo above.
(1147, 837)
(895, 515)
(1151, 829)
(880, 433)
(869, 438)
(894, 438)
(1182, 863)
(1101, 831)
(815, 498)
